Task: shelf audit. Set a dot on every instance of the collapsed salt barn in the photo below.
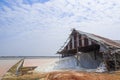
(92, 51)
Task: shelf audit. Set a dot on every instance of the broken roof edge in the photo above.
(100, 39)
(106, 42)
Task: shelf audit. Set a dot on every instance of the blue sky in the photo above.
(40, 27)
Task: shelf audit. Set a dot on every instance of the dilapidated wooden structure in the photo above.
(81, 42)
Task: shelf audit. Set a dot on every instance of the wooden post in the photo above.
(72, 42)
(77, 43)
(77, 57)
(95, 52)
(89, 42)
(105, 58)
(115, 61)
(83, 43)
(68, 46)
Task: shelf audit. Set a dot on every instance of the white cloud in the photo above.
(49, 24)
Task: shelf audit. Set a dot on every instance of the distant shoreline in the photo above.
(28, 57)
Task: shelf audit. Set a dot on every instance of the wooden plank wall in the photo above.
(78, 40)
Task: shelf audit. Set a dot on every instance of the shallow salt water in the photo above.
(38, 61)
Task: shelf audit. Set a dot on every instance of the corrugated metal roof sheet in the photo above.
(108, 43)
(101, 39)
(118, 41)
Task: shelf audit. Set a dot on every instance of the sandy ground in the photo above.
(75, 75)
(5, 65)
(38, 62)
(67, 75)
(55, 75)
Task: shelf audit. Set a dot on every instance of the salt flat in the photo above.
(5, 65)
(38, 62)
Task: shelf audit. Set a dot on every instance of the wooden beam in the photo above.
(72, 42)
(115, 61)
(82, 38)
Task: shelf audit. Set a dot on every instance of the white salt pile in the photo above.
(101, 68)
(62, 64)
(88, 62)
(85, 63)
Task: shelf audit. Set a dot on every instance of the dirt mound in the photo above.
(66, 75)
(74, 75)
